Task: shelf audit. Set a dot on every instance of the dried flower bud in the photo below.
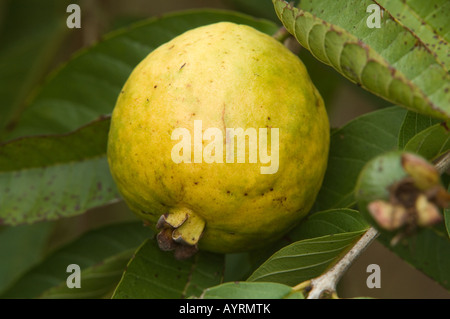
(427, 213)
(423, 173)
(388, 216)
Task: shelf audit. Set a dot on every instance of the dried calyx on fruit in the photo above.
(180, 231)
(415, 194)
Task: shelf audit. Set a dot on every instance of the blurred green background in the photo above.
(51, 43)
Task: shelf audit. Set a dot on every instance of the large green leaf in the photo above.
(30, 35)
(251, 290)
(426, 20)
(102, 256)
(257, 8)
(317, 224)
(413, 124)
(328, 222)
(424, 135)
(351, 147)
(305, 259)
(447, 217)
(390, 61)
(88, 85)
(48, 177)
(430, 143)
(21, 247)
(154, 274)
(428, 251)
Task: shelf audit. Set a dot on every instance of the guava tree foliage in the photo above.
(53, 140)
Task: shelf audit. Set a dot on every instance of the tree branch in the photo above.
(326, 284)
(443, 163)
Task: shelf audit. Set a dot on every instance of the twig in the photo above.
(281, 35)
(443, 163)
(326, 284)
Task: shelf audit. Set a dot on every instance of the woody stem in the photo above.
(328, 281)
(443, 163)
(281, 35)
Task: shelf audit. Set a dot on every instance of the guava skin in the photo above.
(228, 76)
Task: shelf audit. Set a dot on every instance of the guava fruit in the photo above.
(219, 140)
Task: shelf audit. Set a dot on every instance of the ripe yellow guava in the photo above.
(219, 140)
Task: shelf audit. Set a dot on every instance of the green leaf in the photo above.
(251, 290)
(328, 222)
(237, 266)
(305, 259)
(428, 21)
(154, 274)
(87, 86)
(428, 251)
(447, 217)
(316, 224)
(102, 255)
(257, 8)
(390, 61)
(48, 177)
(430, 143)
(21, 248)
(413, 124)
(351, 147)
(32, 34)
